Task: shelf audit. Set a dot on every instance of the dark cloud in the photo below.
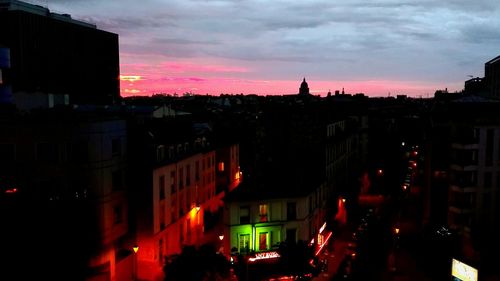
(183, 41)
(410, 39)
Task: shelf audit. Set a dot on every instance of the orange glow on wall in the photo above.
(193, 213)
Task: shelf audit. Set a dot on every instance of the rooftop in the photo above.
(15, 5)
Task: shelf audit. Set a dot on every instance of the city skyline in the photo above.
(378, 48)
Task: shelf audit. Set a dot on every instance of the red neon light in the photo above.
(13, 190)
(323, 244)
(265, 256)
(312, 242)
(322, 227)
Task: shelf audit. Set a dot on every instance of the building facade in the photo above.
(64, 172)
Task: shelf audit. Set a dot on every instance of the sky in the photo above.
(376, 47)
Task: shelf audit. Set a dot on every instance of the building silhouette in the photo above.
(55, 55)
(492, 76)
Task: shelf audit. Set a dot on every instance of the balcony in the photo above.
(463, 167)
(459, 189)
(464, 145)
(460, 210)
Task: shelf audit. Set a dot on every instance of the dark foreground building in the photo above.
(52, 54)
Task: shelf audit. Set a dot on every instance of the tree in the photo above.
(197, 264)
(295, 258)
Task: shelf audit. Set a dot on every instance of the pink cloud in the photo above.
(187, 67)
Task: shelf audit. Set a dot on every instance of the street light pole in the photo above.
(135, 248)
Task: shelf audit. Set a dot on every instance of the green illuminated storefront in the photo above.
(255, 237)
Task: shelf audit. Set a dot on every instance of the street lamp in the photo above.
(136, 249)
(396, 230)
(221, 237)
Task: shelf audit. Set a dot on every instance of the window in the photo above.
(161, 184)
(173, 188)
(291, 211)
(489, 147)
(291, 235)
(173, 210)
(160, 153)
(221, 167)
(47, 152)
(79, 151)
(262, 241)
(7, 152)
(117, 214)
(244, 243)
(171, 152)
(160, 251)
(181, 232)
(117, 180)
(188, 175)
(263, 213)
(181, 178)
(487, 180)
(197, 170)
(244, 215)
(116, 147)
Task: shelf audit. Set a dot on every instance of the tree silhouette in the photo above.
(194, 264)
(295, 258)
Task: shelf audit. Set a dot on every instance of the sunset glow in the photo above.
(130, 78)
(224, 85)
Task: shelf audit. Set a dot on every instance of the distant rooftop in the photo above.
(15, 5)
(495, 60)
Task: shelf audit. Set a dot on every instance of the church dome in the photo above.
(304, 88)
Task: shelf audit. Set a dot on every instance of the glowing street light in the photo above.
(396, 230)
(221, 237)
(135, 248)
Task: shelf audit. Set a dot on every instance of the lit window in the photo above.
(221, 166)
(263, 212)
(262, 241)
(244, 243)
